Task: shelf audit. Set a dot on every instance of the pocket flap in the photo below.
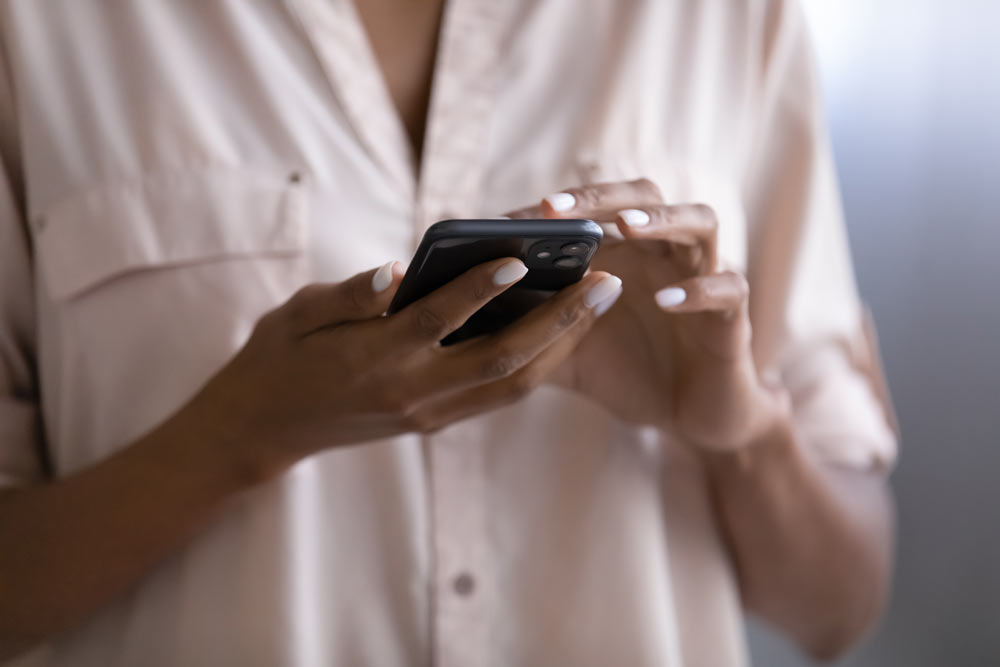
(167, 218)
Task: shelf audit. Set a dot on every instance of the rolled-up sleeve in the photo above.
(810, 327)
(20, 423)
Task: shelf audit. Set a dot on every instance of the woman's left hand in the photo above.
(674, 351)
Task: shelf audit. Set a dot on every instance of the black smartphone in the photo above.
(556, 252)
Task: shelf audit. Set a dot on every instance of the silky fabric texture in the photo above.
(172, 169)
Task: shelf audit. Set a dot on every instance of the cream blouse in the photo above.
(172, 169)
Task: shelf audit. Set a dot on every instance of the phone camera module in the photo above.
(568, 262)
(575, 248)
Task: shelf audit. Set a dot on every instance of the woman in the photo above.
(217, 451)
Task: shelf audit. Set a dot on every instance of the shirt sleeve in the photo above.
(20, 424)
(809, 325)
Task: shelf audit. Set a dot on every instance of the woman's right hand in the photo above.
(328, 369)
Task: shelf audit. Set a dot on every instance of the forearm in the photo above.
(71, 545)
(811, 542)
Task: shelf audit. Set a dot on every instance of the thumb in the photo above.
(361, 297)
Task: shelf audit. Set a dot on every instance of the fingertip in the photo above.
(603, 287)
(523, 213)
(509, 272)
(670, 297)
(633, 217)
(605, 306)
(601, 275)
(384, 277)
(632, 222)
(593, 277)
(558, 204)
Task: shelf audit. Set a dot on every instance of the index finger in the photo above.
(601, 201)
(499, 355)
(692, 225)
(433, 317)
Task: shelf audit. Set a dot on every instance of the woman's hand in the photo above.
(327, 368)
(675, 350)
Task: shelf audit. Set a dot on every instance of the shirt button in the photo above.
(464, 584)
(294, 178)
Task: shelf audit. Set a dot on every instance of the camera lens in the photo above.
(575, 248)
(568, 262)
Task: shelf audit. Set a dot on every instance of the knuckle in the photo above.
(705, 213)
(588, 197)
(659, 214)
(502, 365)
(271, 325)
(710, 288)
(304, 294)
(428, 324)
(648, 187)
(297, 307)
(740, 283)
(567, 317)
(271, 320)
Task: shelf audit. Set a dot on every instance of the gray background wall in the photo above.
(913, 93)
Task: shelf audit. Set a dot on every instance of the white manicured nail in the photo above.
(670, 296)
(502, 217)
(634, 217)
(605, 305)
(383, 277)
(604, 289)
(509, 272)
(561, 201)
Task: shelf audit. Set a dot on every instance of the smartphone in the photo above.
(556, 252)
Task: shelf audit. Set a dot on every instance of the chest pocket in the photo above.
(169, 220)
(146, 288)
(680, 183)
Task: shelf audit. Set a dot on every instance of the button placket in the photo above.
(462, 102)
(450, 185)
(462, 598)
(464, 584)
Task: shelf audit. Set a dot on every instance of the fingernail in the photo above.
(634, 217)
(510, 272)
(606, 287)
(502, 217)
(383, 277)
(670, 296)
(561, 201)
(605, 305)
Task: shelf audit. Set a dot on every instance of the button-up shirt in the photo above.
(172, 169)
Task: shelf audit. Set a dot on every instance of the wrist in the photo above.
(238, 452)
(770, 438)
(772, 445)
